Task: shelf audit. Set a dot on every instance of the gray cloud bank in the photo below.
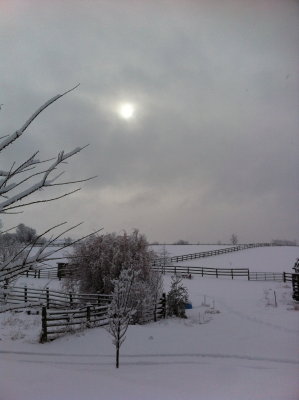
(214, 146)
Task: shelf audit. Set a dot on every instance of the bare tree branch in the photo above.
(15, 187)
(18, 133)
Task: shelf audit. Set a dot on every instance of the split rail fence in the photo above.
(49, 298)
(232, 273)
(60, 322)
(193, 256)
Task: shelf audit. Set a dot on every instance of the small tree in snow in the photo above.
(177, 297)
(121, 309)
(181, 242)
(165, 259)
(234, 239)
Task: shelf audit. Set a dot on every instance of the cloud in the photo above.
(213, 147)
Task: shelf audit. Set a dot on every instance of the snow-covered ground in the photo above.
(258, 259)
(179, 249)
(235, 345)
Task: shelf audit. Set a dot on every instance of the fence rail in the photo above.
(203, 271)
(49, 298)
(49, 273)
(193, 256)
(224, 272)
(270, 276)
(60, 322)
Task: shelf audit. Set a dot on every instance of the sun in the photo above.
(126, 110)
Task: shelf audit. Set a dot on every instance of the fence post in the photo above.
(163, 302)
(25, 293)
(48, 297)
(5, 293)
(284, 276)
(88, 316)
(44, 336)
(248, 275)
(38, 273)
(71, 299)
(232, 273)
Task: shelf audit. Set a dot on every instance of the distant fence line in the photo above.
(224, 272)
(49, 273)
(203, 271)
(64, 269)
(193, 256)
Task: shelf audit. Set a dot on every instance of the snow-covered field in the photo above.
(259, 259)
(235, 345)
(178, 249)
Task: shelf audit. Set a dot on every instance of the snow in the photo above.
(179, 249)
(258, 259)
(243, 348)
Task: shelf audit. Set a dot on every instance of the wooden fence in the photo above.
(203, 271)
(193, 256)
(232, 273)
(49, 298)
(50, 273)
(59, 322)
(270, 276)
(295, 283)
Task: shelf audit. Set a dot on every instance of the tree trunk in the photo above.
(117, 355)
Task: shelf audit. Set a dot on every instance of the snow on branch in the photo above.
(18, 182)
(11, 138)
(12, 190)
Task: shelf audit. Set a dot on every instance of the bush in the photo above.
(25, 234)
(9, 247)
(177, 297)
(99, 261)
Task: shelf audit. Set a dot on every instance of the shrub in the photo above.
(177, 297)
(101, 259)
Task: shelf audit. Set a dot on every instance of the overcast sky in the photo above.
(212, 148)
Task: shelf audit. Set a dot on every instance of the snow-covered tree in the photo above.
(18, 182)
(101, 258)
(25, 234)
(9, 247)
(122, 308)
(177, 297)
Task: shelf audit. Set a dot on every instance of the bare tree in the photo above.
(234, 239)
(181, 241)
(121, 309)
(18, 182)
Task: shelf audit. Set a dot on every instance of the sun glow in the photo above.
(126, 111)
